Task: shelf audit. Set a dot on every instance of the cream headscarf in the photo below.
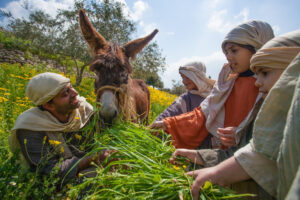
(43, 87)
(196, 72)
(254, 33)
(270, 121)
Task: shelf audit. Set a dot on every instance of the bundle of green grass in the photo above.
(141, 169)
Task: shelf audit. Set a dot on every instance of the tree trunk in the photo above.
(79, 72)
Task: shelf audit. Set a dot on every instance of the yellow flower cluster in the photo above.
(54, 142)
(161, 97)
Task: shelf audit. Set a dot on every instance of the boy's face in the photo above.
(237, 57)
(188, 83)
(266, 78)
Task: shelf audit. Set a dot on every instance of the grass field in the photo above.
(142, 170)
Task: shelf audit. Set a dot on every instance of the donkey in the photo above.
(117, 93)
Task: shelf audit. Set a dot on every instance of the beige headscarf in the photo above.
(196, 72)
(254, 33)
(41, 89)
(277, 53)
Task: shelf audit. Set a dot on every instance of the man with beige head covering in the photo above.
(272, 157)
(40, 132)
(198, 87)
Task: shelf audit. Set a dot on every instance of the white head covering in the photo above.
(254, 33)
(43, 87)
(196, 72)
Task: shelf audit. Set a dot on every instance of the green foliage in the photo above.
(177, 88)
(61, 35)
(148, 64)
(139, 169)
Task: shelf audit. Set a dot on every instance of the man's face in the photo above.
(266, 78)
(66, 100)
(237, 57)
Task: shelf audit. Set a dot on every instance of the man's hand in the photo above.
(158, 125)
(190, 154)
(97, 158)
(227, 136)
(103, 155)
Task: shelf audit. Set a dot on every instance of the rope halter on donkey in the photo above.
(125, 102)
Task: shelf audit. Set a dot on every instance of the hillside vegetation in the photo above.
(142, 171)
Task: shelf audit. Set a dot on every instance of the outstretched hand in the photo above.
(190, 154)
(158, 125)
(201, 176)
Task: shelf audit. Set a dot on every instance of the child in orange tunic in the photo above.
(232, 97)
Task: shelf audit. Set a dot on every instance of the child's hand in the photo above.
(190, 154)
(158, 125)
(227, 136)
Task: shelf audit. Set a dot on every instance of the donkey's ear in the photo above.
(94, 39)
(134, 47)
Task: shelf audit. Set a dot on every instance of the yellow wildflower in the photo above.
(44, 139)
(62, 149)
(6, 94)
(78, 137)
(3, 89)
(176, 167)
(183, 166)
(77, 118)
(54, 142)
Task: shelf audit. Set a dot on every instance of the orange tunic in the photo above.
(188, 130)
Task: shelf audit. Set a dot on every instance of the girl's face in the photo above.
(266, 78)
(188, 83)
(237, 57)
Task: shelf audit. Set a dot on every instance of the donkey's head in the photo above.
(112, 67)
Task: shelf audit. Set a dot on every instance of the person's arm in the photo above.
(37, 152)
(225, 173)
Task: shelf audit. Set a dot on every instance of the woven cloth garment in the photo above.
(37, 120)
(271, 119)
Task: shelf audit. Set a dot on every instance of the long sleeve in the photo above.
(261, 169)
(187, 130)
(184, 103)
(41, 156)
